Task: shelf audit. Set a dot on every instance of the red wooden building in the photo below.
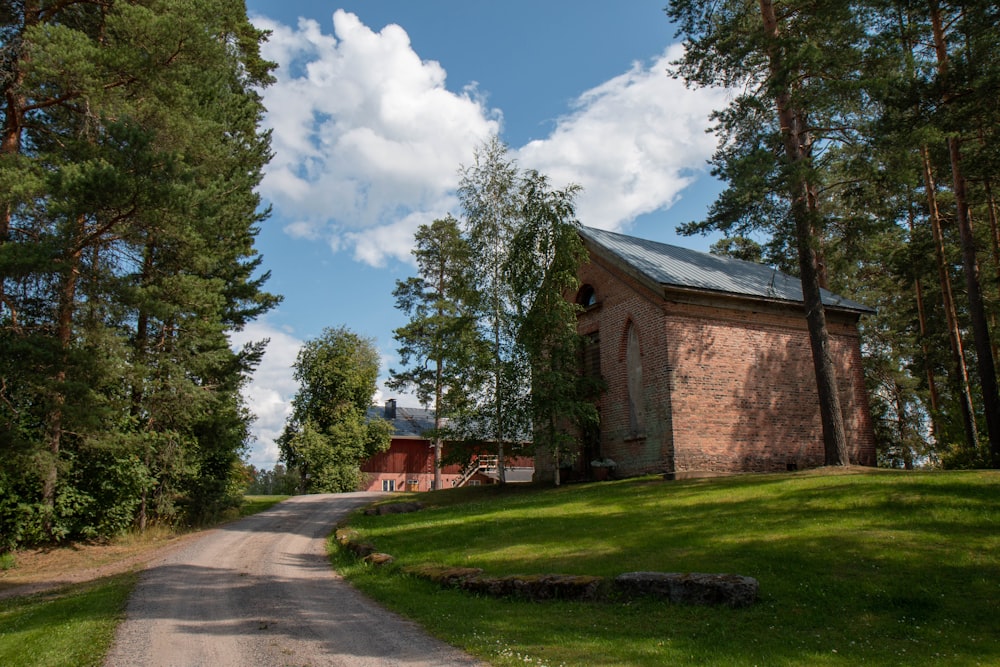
(408, 464)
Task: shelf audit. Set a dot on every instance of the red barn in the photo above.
(408, 464)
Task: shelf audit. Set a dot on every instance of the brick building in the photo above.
(707, 364)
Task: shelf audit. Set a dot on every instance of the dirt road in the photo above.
(260, 592)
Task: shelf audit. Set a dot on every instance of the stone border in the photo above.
(695, 588)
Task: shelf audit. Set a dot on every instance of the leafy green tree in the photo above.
(490, 194)
(547, 254)
(328, 434)
(524, 241)
(278, 481)
(439, 346)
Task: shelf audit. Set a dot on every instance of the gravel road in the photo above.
(260, 592)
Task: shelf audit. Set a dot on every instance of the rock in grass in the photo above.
(394, 508)
(691, 587)
(378, 558)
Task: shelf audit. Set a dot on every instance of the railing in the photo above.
(484, 464)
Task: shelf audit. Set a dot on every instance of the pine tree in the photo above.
(130, 151)
(439, 348)
(796, 67)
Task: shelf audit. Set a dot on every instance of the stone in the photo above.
(691, 587)
(394, 508)
(378, 558)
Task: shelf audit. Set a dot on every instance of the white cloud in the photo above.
(270, 393)
(633, 143)
(368, 140)
(364, 132)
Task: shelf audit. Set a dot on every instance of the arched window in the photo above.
(633, 369)
(586, 297)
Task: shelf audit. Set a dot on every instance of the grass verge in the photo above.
(875, 567)
(74, 625)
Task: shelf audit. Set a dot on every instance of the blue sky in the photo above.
(379, 103)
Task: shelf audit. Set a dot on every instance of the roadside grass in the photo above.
(254, 504)
(856, 567)
(73, 626)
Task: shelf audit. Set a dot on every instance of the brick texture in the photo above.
(727, 384)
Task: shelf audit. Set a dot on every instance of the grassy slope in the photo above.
(75, 625)
(871, 567)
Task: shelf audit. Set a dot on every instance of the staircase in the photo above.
(484, 464)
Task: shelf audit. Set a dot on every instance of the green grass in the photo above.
(873, 568)
(254, 504)
(8, 561)
(72, 627)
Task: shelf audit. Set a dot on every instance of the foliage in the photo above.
(490, 199)
(548, 252)
(439, 347)
(129, 154)
(878, 567)
(328, 434)
(438, 343)
(277, 481)
(511, 335)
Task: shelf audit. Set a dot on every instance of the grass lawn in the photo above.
(855, 568)
(74, 626)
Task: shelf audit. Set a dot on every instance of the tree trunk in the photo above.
(948, 302)
(977, 311)
(931, 382)
(991, 211)
(796, 142)
(437, 427)
(13, 118)
(64, 336)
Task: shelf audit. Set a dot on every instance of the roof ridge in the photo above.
(672, 265)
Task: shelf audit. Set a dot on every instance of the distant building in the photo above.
(707, 364)
(408, 464)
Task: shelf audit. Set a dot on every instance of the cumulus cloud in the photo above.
(633, 143)
(367, 138)
(270, 392)
(365, 133)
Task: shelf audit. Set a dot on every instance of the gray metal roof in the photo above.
(674, 266)
(409, 422)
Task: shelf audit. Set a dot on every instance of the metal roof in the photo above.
(674, 266)
(409, 422)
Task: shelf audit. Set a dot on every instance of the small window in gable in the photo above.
(586, 297)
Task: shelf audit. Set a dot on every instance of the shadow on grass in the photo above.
(873, 566)
(72, 625)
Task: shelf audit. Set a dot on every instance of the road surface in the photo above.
(260, 592)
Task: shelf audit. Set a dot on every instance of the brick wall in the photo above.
(727, 386)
